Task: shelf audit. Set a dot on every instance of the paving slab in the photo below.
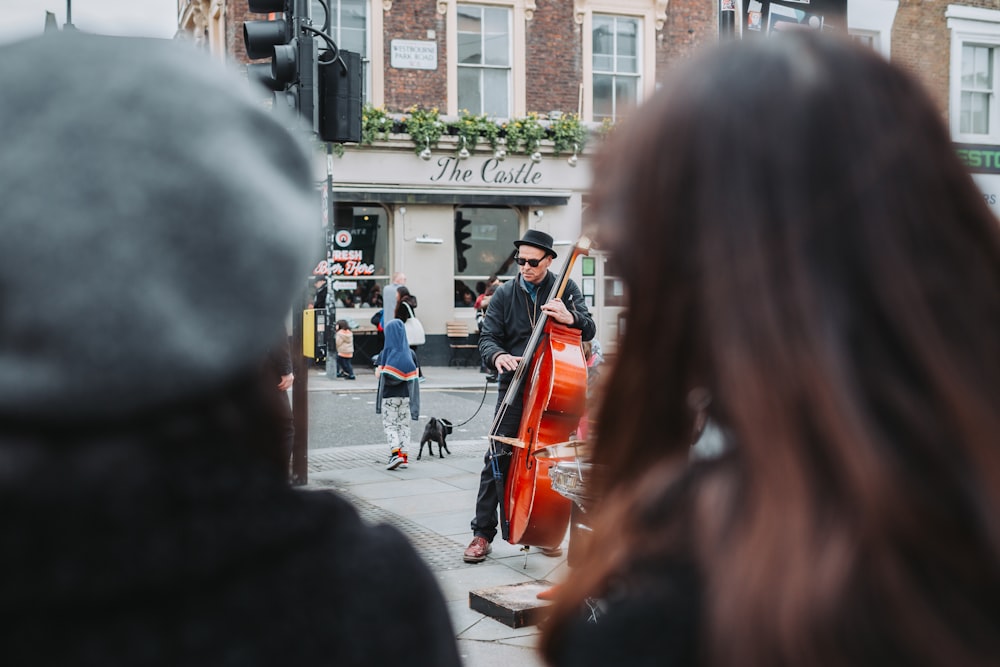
(496, 654)
(408, 488)
(456, 584)
(451, 523)
(424, 504)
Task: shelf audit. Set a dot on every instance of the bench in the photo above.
(460, 342)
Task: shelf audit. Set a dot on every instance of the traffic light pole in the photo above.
(307, 62)
(727, 19)
(300, 398)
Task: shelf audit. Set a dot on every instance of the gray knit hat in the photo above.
(137, 177)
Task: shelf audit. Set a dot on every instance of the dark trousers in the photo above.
(420, 371)
(488, 500)
(345, 366)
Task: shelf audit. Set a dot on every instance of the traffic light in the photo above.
(288, 42)
(461, 245)
(339, 87)
(272, 39)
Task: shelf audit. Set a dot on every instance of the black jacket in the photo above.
(511, 314)
(193, 552)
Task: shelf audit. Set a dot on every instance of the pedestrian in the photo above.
(482, 303)
(277, 371)
(319, 296)
(389, 297)
(147, 515)
(398, 394)
(406, 303)
(345, 350)
(837, 319)
(511, 316)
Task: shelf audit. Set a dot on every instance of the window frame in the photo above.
(373, 60)
(504, 245)
(482, 66)
(521, 11)
(973, 26)
(873, 20)
(384, 224)
(651, 15)
(614, 73)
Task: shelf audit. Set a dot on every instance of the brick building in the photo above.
(510, 58)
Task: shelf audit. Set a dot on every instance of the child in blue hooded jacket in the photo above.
(398, 392)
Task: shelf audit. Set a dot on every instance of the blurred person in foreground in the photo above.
(803, 245)
(147, 516)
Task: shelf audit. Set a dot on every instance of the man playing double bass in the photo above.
(509, 322)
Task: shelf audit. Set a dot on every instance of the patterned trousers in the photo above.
(396, 422)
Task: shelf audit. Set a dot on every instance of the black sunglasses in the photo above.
(533, 263)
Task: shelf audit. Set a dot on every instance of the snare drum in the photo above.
(569, 479)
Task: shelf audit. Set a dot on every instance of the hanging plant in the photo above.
(424, 127)
(568, 134)
(376, 124)
(471, 128)
(524, 134)
(607, 125)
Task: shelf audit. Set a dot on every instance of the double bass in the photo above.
(554, 367)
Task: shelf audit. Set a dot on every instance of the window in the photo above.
(349, 30)
(977, 87)
(974, 113)
(357, 255)
(619, 54)
(484, 60)
(869, 22)
(616, 48)
(484, 247)
(866, 38)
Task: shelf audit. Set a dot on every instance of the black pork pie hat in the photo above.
(538, 239)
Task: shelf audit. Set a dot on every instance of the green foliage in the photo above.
(524, 134)
(568, 134)
(607, 125)
(471, 128)
(376, 124)
(521, 135)
(424, 127)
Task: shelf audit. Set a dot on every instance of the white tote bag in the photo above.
(414, 329)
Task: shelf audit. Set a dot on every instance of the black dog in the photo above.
(435, 431)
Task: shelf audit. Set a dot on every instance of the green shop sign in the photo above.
(979, 159)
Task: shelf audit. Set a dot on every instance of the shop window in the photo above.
(484, 60)
(349, 28)
(617, 70)
(614, 287)
(484, 248)
(357, 256)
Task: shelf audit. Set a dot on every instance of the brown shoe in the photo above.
(551, 552)
(477, 550)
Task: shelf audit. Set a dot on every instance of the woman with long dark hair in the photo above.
(807, 258)
(406, 303)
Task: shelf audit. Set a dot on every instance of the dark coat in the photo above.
(507, 325)
(194, 553)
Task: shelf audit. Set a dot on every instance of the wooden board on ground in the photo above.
(514, 605)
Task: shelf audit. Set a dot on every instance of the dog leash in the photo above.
(486, 385)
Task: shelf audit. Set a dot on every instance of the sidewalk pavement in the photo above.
(438, 377)
(432, 502)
